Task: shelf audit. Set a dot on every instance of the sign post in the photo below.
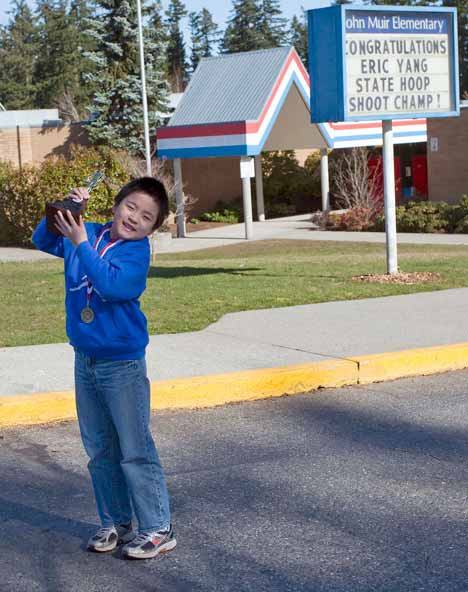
(383, 63)
(389, 197)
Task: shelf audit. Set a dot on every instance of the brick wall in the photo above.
(209, 180)
(31, 145)
(447, 157)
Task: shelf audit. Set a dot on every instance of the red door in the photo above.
(419, 173)
(375, 164)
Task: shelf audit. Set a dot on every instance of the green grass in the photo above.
(188, 291)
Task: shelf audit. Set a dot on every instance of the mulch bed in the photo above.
(399, 278)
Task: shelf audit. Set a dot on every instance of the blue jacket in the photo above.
(119, 329)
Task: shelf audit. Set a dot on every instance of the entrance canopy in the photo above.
(237, 104)
(240, 104)
(245, 103)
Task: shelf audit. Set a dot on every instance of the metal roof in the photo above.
(232, 87)
(241, 104)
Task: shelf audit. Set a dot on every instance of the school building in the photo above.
(237, 106)
(447, 156)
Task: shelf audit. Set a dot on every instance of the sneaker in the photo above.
(108, 537)
(149, 544)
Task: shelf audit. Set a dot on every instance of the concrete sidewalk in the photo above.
(290, 228)
(266, 352)
(271, 351)
(298, 228)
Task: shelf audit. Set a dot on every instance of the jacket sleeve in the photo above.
(47, 241)
(121, 278)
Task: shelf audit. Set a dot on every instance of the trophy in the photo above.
(75, 207)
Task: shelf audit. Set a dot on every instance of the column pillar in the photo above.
(179, 193)
(324, 180)
(259, 188)
(247, 171)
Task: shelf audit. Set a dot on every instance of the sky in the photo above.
(220, 9)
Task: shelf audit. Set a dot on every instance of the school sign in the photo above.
(383, 63)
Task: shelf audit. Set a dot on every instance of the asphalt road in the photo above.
(355, 489)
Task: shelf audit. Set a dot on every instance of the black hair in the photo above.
(151, 187)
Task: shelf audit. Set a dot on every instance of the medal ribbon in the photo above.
(101, 253)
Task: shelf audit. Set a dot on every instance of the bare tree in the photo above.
(355, 183)
(66, 106)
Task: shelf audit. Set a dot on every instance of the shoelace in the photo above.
(144, 537)
(104, 531)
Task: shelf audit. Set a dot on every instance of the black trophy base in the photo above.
(52, 207)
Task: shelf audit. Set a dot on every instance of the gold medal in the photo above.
(87, 315)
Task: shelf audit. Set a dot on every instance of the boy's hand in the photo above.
(69, 228)
(79, 194)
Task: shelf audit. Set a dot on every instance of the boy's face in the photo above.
(134, 217)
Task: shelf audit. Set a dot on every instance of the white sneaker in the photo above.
(108, 537)
(149, 544)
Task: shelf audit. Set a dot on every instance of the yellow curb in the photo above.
(412, 362)
(219, 389)
(193, 392)
(207, 391)
(38, 408)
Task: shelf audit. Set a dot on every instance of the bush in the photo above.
(288, 187)
(227, 216)
(24, 192)
(418, 216)
(356, 219)
(415, 216)
(457, 215)
(462, 226)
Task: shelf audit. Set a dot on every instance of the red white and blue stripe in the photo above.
(247, 138)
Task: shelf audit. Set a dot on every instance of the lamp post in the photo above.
(143, 90)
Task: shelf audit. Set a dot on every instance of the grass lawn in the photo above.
(188, 291)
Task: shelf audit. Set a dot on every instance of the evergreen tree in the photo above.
(81, 94)
(242, 31)
(59, 62)
(176, 58)
(117, 106)
(298, 38)
(205, 36)
(156, 30)
(18, 50)
(271, 25)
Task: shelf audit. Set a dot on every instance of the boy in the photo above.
(105, 274)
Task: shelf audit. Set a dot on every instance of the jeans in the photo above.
(113, 406)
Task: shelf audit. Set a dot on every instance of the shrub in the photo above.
(423, 217)
(228, 212)
(312, 165)
(415, 216)
(462, 226)
(288, 187)
(418, 216)
(456, 215)
(227, 216)
(356, 219)
(24, 192)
